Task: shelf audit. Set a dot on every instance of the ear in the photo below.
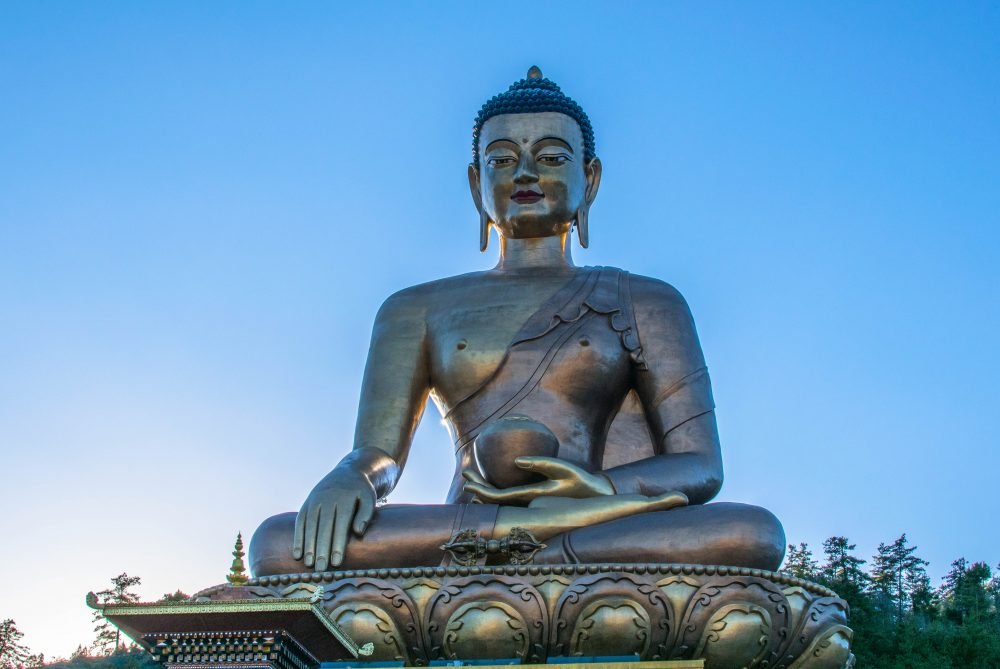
(593, 173)
(477, 198)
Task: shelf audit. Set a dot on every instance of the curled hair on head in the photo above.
(532, 95)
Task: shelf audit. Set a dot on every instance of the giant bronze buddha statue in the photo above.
(577, 397)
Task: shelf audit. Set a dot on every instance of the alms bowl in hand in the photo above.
(509, 438)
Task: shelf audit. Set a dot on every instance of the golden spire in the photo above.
(236, 575)
(534, 72)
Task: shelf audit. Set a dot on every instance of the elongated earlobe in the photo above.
(582, 226)
(484, 230)
(593, 172)
(484, 218)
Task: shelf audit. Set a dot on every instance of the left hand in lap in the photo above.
(563, 479)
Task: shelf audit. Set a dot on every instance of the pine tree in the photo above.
(883, 580)
(994, 590)
(966, 592)
(13, 654)
(799, 562)
(108, 637)
(842, 568)
(952, 581)
(897, 576)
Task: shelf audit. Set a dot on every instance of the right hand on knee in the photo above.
(344, 500)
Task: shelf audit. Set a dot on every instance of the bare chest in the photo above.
(470, 331)
(469, 336)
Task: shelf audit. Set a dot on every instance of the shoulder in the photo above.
(421, 297)
(665, 324)
(661, 314)
(651, 295)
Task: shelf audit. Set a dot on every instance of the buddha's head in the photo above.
(533, 172)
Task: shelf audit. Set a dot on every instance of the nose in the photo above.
(525, 173)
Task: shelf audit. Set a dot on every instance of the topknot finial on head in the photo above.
(531, 95)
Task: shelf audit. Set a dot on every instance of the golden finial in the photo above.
(534, 72)
(236, 575)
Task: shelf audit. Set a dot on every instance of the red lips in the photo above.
(526, 196)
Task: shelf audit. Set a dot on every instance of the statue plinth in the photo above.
(584, 430)
(725, 616)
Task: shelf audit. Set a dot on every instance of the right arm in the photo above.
(393, 395)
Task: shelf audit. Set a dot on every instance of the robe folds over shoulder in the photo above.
(595, 297)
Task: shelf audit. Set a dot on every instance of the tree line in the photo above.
(107, 650)
(899, 620)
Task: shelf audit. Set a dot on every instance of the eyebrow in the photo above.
(555, 139)
(504, 140)
(498, 141)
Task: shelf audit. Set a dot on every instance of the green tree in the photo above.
(107, 638)
(177, 596)
(966, 591)
(994, 591)
(12, 652)
(842, 568)
(900, 622)
(898, 575)
(799, 562)
(81, 651)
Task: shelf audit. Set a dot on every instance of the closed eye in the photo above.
(501, 161)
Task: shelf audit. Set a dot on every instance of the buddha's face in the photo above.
(531, 179)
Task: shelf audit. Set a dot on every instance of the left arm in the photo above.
(676, 396)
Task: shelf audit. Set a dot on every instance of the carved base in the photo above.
(727, 616)
(265, 649)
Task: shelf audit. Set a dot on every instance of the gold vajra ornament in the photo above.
(468, 548)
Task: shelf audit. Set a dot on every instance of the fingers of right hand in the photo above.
(325, 526)
(299, 535)
(311, 527)
(340, 530)
(363, 516)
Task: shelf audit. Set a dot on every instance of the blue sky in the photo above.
(202, 205)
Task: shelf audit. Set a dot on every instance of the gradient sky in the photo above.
(202, 206)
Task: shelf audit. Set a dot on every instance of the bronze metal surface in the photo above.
(725, 616)
(160, 626)
(607, 363)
